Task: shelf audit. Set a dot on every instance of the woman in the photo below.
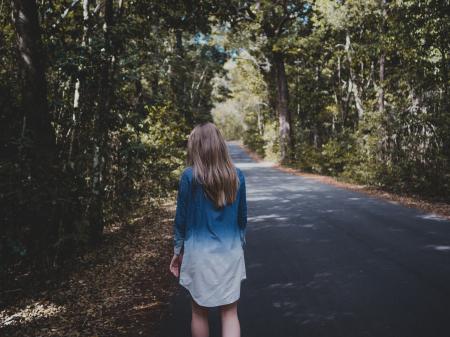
(209, 231)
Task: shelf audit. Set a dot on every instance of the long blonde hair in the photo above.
(208, 155)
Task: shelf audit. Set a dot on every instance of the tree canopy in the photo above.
(97, 98)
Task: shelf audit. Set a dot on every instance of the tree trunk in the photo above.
(96, 205)
(353, 84)
(76, 99)
(35, 105)
(269, 77)
(282, 107)
(388, 144)
(381, 86)
(382, 59)
(78, 85)
(444, 108)
(183, 104)
(39, 168)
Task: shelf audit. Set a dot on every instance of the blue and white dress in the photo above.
(212, 241)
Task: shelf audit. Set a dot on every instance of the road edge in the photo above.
(439, 208)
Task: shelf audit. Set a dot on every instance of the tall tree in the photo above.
(34, 91)
(273, 22)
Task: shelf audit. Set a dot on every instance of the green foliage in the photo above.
(252, 136)
(368, 89)
(125, 87)
(367, 100)
(335, 155)
(229, 124)
(271, 140)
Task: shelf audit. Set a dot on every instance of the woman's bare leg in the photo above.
(230, 320)
(199, 323)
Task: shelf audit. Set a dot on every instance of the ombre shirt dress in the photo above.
(212, 242)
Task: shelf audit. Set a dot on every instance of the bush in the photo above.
(253, 137)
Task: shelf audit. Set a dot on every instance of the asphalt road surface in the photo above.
(325, 261)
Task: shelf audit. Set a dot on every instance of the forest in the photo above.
(97, 98)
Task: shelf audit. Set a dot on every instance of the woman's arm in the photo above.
(242, 210)
(179, 226)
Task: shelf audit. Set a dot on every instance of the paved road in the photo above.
(325, 261)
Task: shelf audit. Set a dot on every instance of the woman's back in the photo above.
(213, 240)
(214, 228)
(209, 230)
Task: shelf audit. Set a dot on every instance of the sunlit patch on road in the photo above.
(263, 217)
(254, 165)
(439, 248)
(432, 216)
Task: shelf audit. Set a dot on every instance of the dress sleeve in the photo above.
(179, 225)
(242, 210)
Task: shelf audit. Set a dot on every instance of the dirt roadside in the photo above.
(120, 288)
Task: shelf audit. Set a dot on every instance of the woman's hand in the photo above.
(175, 264)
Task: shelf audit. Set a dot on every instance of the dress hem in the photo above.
(216, 305)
